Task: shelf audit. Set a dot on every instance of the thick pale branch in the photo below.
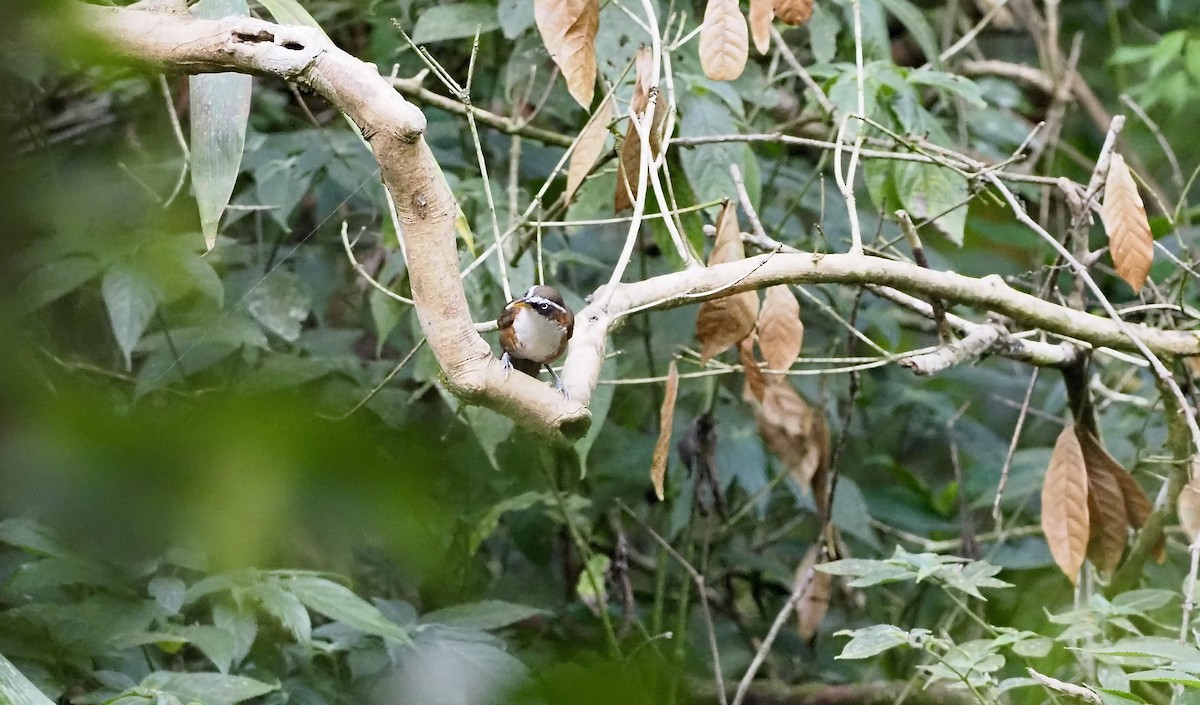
(426, 211)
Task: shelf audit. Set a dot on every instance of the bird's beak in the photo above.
(517, 303)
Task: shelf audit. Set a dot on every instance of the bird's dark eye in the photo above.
(543, 307)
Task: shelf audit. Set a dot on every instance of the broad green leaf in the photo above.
(131, 300)
(707, 166)
(853, 566)
(963, 87)
(53, 281)
(491, 519)
(207, 688)
(237, 620)
(40, 575)
(280, 303)
(593, 580)
(918, 27)
(289, 12)
(482, 616)
(218, 645)
(16, 689)
(1191, 58)
(339, 603)
(490, 429)
(31, 536)
(601, 402)
(285, 607)
(872, 640)
(454, 21)
(1036, 647)
(168, 592)
(823, 27)
(1141, 601)
(515, 16)
(933, 191)
(1159, 647)
(220, 109)
(449, 666)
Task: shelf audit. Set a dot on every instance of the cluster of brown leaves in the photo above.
(1089, 503)
(1124, 217)
(724, 44)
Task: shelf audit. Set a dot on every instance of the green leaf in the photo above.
(168, 593)
(932, 191)
(450, 666)
(918, 27)
(285, 607)
(235, 619)
(220, 109)
(823, 28)
(707, 166)
(1141, 601)
(217, 645)
(854, 566)
(483, 616)
(207, 688)
(592, 584)
(1191, 58)
(280, 303)
(16, 689)
(338, 603)
(53, 281)
(1159, 647)
(1166, 675)
(455, 21)
(31, 536)
(963, 87)
(490, 429)
(1167, 50)
(289, 12)
(515, 16)
(130, 299)
(872, 640)
(601, 402)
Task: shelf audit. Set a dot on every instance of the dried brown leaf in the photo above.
(643, 66)
(762, 13)
(793, 12)
(629, 165)
(568, 29)
(1189, 510)
(724, 40)
(662, 449)
(1124, 216)
(1109, 522)
(1065, 504)
(814, 601)
(793, 430)
(756, 383)
(588, 149)
(780, 330)
(723, 322)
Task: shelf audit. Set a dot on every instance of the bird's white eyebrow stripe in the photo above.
(541, 300)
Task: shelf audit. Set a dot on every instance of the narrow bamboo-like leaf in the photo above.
(16, 689)
(1065, 504)
(130, 300)
(662, 448)
(1124, 216)
(568, 29)
(780, 330)
(793, 12)
(289, 12)
(814, 601)
(762, 13)
(723, 322)
(1106, 506)
(588, 149)
(724, 40)
(220, 108)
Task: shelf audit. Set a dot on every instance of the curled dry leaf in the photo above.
(780, 330)
(1065, 504)
(1109, 521)
(629, 162)
(662, 449)
(723, 322)
(724, 41)
(588, 149)
(568, 29)
(793, 430)
(1189, 510)
(793, 12)
(762, 12)
(814, 601)
(629, 165)
(756, 382)
(1124, 216)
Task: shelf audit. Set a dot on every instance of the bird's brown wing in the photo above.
(505, 322)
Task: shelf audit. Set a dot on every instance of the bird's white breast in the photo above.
(537, 337)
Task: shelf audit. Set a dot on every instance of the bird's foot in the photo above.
(558, 383)
(506, 362)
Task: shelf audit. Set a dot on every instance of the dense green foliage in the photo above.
(200, 454)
